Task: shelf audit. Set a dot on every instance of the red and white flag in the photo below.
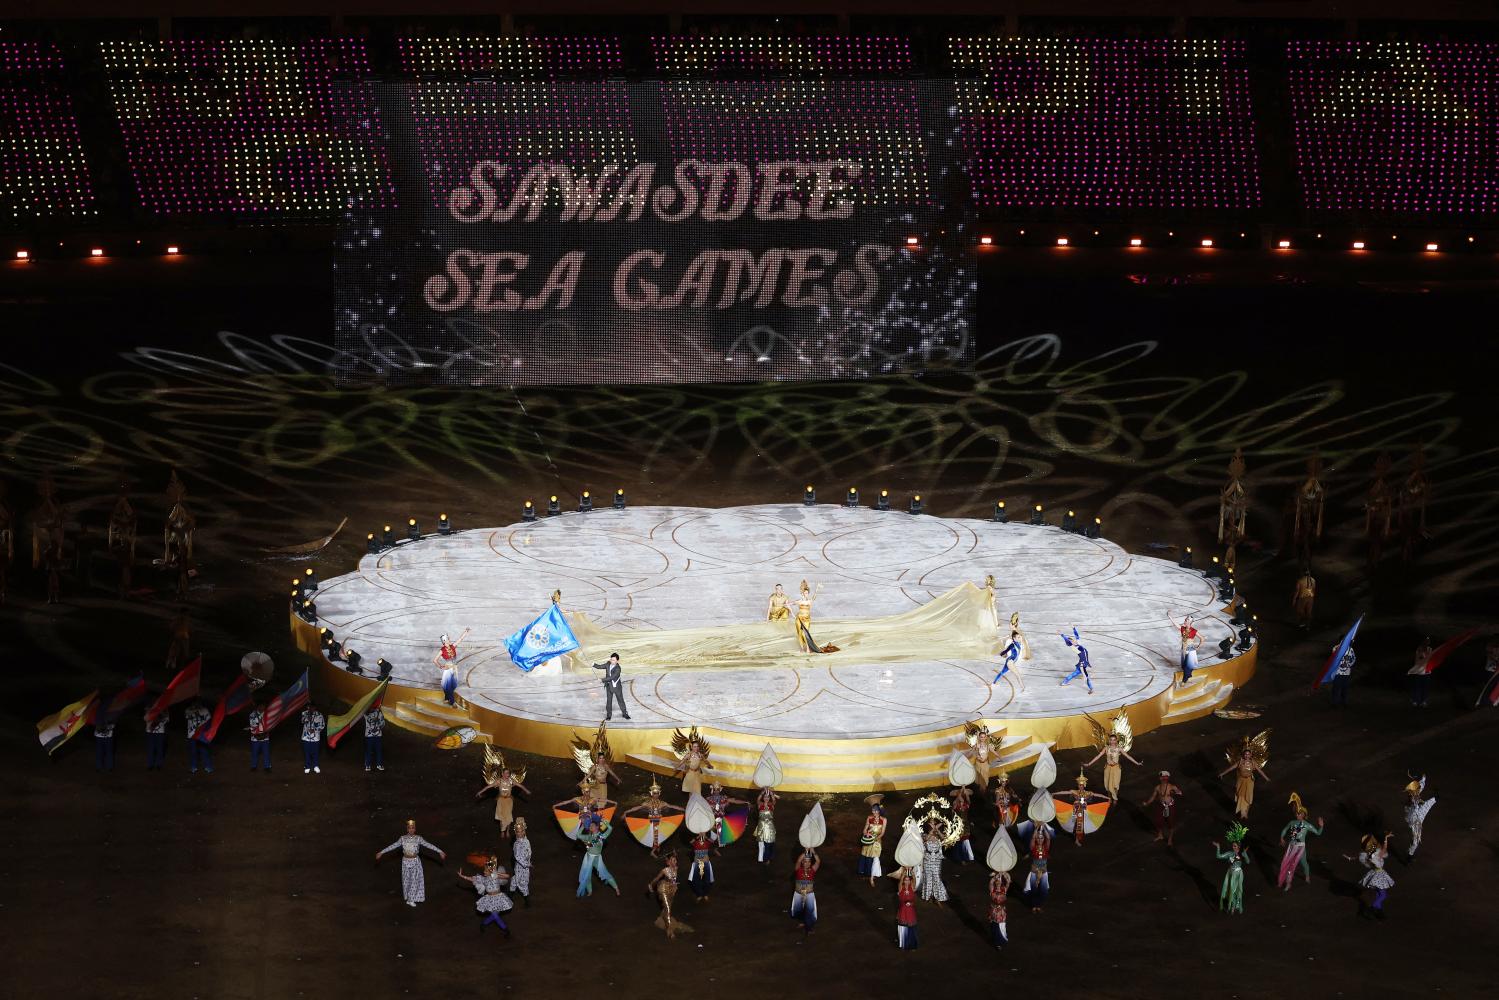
(183, 687)
(284, 704)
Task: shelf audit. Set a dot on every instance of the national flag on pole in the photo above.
(1337, 655)
(55, 730)
(546, 637)
(236, 698)
(284, 704)
(183, 687)
(134, 691)
(340, 724)
(1445, 649)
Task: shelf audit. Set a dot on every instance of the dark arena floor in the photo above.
(1096, 388)
(1162, 234)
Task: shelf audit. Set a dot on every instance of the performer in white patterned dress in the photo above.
(1416, 809)
(931, 866)
(413, 884)
(492, 899)
(1372, 857)
(520, 881)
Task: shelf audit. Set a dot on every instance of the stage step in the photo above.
(431, 717)
(1193, 703)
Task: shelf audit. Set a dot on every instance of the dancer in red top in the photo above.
(804, 899)
(446, 660)
(905, 917)
(999, 895)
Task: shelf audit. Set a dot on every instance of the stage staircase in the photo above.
(1197, 699)
(428, 714)
(851, 765)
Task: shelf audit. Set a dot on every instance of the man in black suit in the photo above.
(614, 687)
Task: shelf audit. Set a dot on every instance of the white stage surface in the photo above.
(653, 568)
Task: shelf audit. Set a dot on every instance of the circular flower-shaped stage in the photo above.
(683, 594)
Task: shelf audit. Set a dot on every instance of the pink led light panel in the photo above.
(248, 127)
(42, 168)
(538, 56)
(1408, 127)
(1097, 123)
(828, 55)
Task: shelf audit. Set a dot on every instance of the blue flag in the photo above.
(1337, 656)
(546, 637)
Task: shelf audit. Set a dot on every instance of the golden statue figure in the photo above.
(1378, 509)
(122, 522)
(1248, 759)
(1304, 598)
(1412, 504)
(1311, 498)
(177, 536)
(779, 607)
(1233, 508)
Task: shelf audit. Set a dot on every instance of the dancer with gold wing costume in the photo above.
(592, 802)
(1113, 743)
(1248, 759)
(653, 821)
(984, 748)
(498, 776)
(692, 752)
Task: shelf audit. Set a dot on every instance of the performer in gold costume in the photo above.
(1249, 759)
(664, 886)
(804, 639)
(779, 608)
(1113, 743)
(989, 598)
(692, 759)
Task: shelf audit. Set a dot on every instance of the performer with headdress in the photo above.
(730, 815)
(1373, 856)
(593, 857)
(1080, 810)
(1083, 668)
(871, 840)
(962, 798)
(413, 884)
(1293, 838)
(778, 609)
(990, 601)
(520, 855)
(498, 776)
(1310, 499)
(664, 888)
(595, 761)
(1419, 675)
(804, 639)
(1248, 759)
(999, 896)
(1113, 743)
(984, 748)
(446, 660)
(1233, 509)
(1163, 797)
(653, 821)
(700, 870)
(1006, 803)
(765, 824)
(691, 752)
(1231, 898)
(1190, 641)
(1416, 809)
(489, 884)
(905, 915)
(932, 844)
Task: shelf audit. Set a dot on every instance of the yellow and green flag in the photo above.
(339, 724)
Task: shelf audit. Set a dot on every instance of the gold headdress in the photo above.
(935, 809)
(1295, 801)
(681, 745)
(1082, 780)
(805, 587)
(1257, 748)
(1416, 786)
(586, 755)
(494, 763)
(974, 732)
(1119, 728)
(1371, 843)
(655, 788)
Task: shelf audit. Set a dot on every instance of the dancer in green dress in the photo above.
(1232, 896)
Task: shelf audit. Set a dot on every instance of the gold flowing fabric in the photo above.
(956, 625)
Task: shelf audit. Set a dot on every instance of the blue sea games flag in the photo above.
(546, 637)
(1331, 670)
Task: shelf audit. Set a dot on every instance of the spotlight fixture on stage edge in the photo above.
(385, 667)
(553, 507)
(852, 500)
(1001, 516)
(413, 532)
(809, 496)
(387, 537)
(619, 499)
(585, 502)
(371, 544)
(444, 526)
(528, 512)
(1037, 516)
(916, 504)
(883, 503)
(1185, 562)
(309, 581)
(1069, 521)
(353, 658)
(1095, 529)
